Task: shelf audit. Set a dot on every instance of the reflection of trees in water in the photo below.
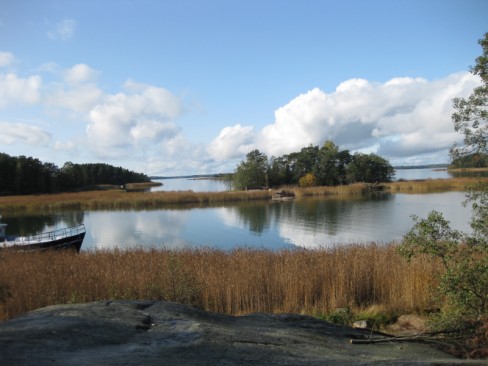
(28, 225)
(31, 225)
(255, 216)
(325, 215)
(72, 218)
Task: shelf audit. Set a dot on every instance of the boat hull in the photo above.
(72, 239)
(74, 243)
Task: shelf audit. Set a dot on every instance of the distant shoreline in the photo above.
(429, 166)
(195, 176)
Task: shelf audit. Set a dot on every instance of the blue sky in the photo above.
(189, 87)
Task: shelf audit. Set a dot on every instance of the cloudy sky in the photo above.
(170, 87)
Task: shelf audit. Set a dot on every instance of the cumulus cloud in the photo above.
(80, 99)
(142, 115)
(14, 89)
(404, 119)
(63, 31)
(6, 59)
(23, 133)
(400, 117)
(80, 73)
(78, 91)
(232, 142)
(152, 130)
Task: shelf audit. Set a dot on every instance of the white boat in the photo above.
(66, 238)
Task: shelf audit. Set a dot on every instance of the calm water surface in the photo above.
(211, 185)
(309, 223)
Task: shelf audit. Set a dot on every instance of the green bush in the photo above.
(341, 316)
(464, 283)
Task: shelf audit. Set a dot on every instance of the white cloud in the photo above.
(63, 31)
(15, 90)
(6, 59)
(80, 73)
(143, 115)
(77, 92)
(404, 119)
(232, 142)
(151, 130)
(65, 146)
(401, 117)
(13, 133)
(79, 98)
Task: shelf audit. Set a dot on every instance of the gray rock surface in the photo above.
(164, 333)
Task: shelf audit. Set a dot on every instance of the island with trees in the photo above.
(311, 166)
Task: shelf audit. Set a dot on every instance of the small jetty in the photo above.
(375, 187)
(283, 196)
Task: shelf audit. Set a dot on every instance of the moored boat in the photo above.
(66, 238)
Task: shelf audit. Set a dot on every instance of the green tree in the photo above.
(279, 172)
(369, 168)
(252, 172)
(303, 162)
(464, 283)
(332, 164)
(471, 114)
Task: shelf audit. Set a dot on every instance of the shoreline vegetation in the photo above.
(134, 197)
(340, 283)
(371, 280)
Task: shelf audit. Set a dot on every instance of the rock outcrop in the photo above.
(164, 333)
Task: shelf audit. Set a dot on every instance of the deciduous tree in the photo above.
(252, 172)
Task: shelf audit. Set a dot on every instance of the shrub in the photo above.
(464, 282)
(308, 180)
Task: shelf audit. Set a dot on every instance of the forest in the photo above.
(312, 166)
(27, 175)
(475, 160)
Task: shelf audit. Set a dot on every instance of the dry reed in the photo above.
(238, 281)
(432, 185)
(122, 200)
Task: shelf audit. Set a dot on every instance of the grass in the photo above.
(118, 199)
(244, 280)
(432, 185)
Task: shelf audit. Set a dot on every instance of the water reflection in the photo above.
(307, 223)
(125, 229)
(195, 185)
(25, 225)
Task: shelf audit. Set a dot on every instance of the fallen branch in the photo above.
(414, 338)
(419, 337)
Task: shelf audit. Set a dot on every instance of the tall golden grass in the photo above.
(118, 199)
(235, 282)
(432, 185)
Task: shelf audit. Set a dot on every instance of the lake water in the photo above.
(309, 223)
(213, 185)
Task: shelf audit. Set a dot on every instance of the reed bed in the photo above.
(350, 190)
(432, 185)
(118, 199)
(239, 281)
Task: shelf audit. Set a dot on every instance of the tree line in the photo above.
(311, 166)
(27, 175)
(474, 160)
